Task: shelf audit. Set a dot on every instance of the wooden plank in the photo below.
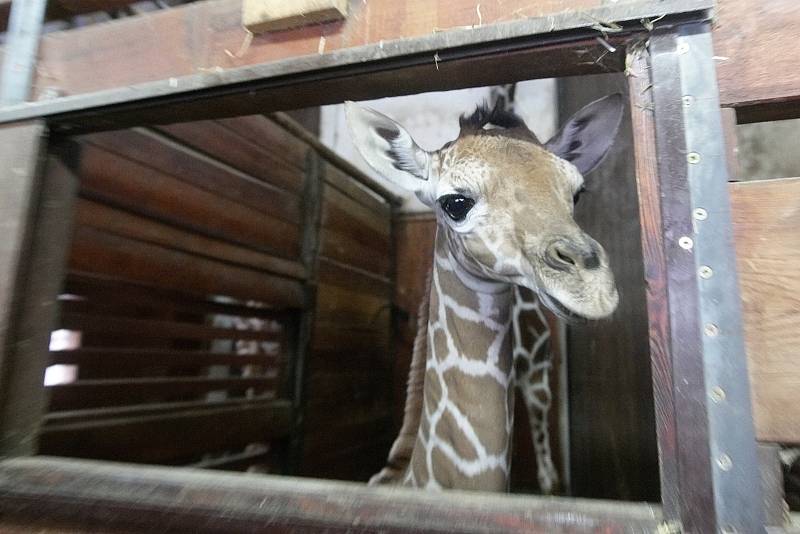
(253, 156)
(95, 324)
(655, 269)
(351, 309)
(37, 263)
(612, 446)
(131, 358)
(198, 169)
(106, 254)
(118, 222)
(270, 15)
(76, 493)
(757, 56)
(354, 190)
(115, 392)
(346, 249)
(141, 189)
(96, 288)
(236, 462)
(342, 275)
(167, 44)
(169, 437)
(766, 216)
(63, 9)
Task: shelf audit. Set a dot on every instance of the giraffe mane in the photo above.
(506, 122)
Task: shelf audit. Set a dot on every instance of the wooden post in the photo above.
(312, 217)
(36, 211)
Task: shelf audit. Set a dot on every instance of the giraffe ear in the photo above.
(586, 137)
(389, 149)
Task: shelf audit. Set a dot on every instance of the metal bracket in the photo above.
(734, 462)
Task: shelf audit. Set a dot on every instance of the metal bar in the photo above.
(70, 494)
(718, 477)
(24, 29)
(246, 82)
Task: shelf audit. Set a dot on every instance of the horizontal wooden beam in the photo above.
(757, 58)
(385, 49)
(169, 436)
(766, 217)
(63, 9)
(115, 392)
(75, 493)
(135, 359)
(153, 328)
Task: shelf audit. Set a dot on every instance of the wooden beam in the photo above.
(766, 216)
(271, 15)
(757, 58)
(133, 358)
(35, 217)
(76, 493)
(169, 436)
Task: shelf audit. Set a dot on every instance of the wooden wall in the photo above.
(189, 277)
(612, 430)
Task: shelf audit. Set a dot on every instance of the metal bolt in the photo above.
(724, 462)
(711, 330)
(717, 394)
(683, 48)
(688, 100)
(686, 243)
(705, 272)
(693, 158)
(700, 214)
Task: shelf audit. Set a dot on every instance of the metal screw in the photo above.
(693, 158)
(686, 243)
(683, 48)
(711, 330)
(688, 100)
(717, 394)
(700, 214)
(724, 462)
(705, 272)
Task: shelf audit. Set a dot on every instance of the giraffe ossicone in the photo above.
(505, 232)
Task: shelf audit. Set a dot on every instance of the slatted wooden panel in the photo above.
(185, 287)
(350, 390)
(766, 217)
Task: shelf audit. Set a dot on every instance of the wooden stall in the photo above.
(196, 62)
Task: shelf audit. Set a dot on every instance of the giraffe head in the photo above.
(505, 201)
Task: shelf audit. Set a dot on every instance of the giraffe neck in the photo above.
(463, 440)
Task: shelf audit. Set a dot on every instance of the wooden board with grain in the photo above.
(766, 216)
(271, 15)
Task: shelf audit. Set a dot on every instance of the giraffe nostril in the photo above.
(591, 261)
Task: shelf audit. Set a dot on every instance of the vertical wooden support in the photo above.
(37, 205)
(711, 479)
(22, 43)
(312, 219)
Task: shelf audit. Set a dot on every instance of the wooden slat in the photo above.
(115, 392)
(74, 494)
(119, 222)
(105, 254)
(252, 156)
(342, 275)
(766, 216)
(90, 324)
(63, 9)
(280, 143)
(167, 44)
(169, 436)
(146, 191)
(68, 417)
(345, 308)
(755, 43)
(96, 289)
(200, 170)
(131, 358)
(236, 462)
(352, 189)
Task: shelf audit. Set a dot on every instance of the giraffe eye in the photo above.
(456, 206)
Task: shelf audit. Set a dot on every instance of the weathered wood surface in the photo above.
(171, 436)
(757, 56)
(654, 263)
(613, 450)
(270, 15)
(63, 9)
(206, 36)
(766, 216)
(91, 495)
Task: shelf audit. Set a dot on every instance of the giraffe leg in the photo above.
(532, 364)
